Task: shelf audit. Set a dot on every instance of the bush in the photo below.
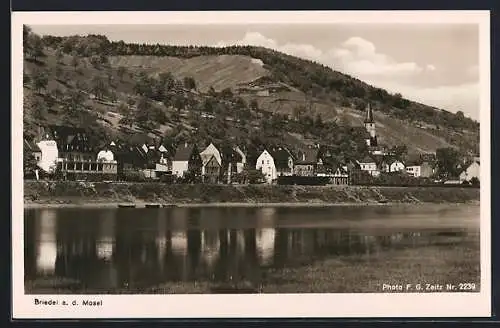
(134, 176)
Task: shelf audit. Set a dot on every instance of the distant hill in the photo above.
(121, 90)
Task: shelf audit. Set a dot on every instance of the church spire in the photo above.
(369, 114)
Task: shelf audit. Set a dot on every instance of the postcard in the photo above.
(251, 164)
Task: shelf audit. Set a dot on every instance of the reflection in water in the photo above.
(139, 248)
(47, 247)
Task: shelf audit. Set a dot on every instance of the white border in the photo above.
(262, 305)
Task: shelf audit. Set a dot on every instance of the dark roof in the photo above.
(70, 138)
(31, 146)
(369, 114)
(367, 159)
(128, 154)
(308, 156)
(280, 156)
(184, 152)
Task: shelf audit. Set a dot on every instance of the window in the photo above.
(262, 162)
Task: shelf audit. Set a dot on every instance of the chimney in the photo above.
(185, 144)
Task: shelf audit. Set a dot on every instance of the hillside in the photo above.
(128, 91)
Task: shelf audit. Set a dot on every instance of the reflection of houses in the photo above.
(265, 244)
(106, 240)
(210, 245)
(46, 253)
(186, 159)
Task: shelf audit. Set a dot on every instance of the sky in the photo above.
(435, 64)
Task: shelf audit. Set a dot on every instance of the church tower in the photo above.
(370, 127)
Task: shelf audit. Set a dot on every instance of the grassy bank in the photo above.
(44, 192)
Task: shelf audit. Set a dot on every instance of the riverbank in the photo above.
(69, 193)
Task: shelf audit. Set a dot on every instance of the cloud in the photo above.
(463, 97)
(359, 57)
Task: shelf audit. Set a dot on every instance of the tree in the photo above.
(98, 87)
(40, 80)
(254, 105)
(95, 61)
(254, 176)
(26, 34)
(166, 80)
(39, 109)
(399, 151)
(74, 101)
(448, 160)
(35, 49)
(59, 56)
(144, 85)
(298, 111)
(226, 93)
(26, 79)
(189, 83)
(75, 62)
(121, 72)
(212, 92)
(240, 103)
(29, 163)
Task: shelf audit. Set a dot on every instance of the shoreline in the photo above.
(139, 205)
(46, 194)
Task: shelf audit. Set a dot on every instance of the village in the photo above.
(65, 153)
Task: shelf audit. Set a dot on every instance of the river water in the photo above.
(114, 250)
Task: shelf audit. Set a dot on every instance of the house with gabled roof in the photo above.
(265, 164)
(72, 143)
(472, 171)
(307, 162)
(283, 161)
(211, 160)
(369, 165)
(33, 149)
(186, 158)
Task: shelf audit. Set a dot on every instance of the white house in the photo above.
(369, 165)
(472, 171)
(50, 154)
(186, 158)
(265, 163)
(396, 166)
(106, 156)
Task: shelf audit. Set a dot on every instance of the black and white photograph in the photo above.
(251, 164)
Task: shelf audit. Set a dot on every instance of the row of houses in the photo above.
(67, 150)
